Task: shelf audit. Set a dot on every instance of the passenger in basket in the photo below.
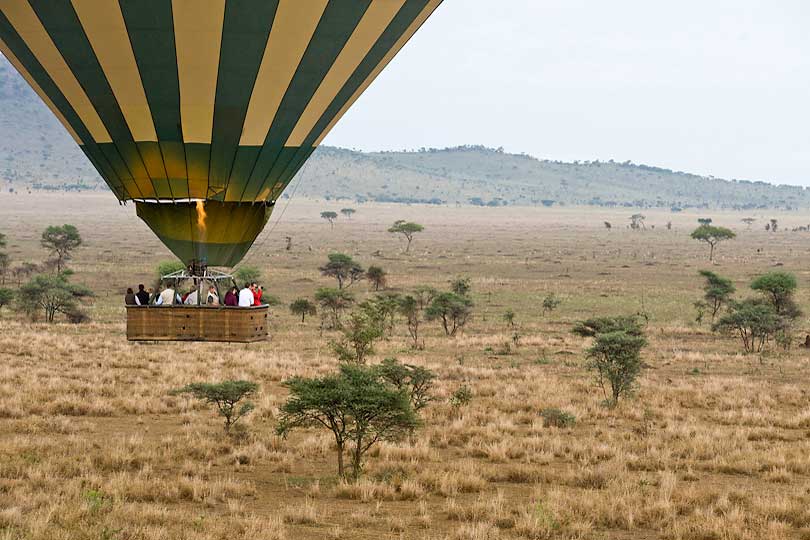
(232, 297)
(191, 298)
(167, 297)
(129, 298)
(246, 296)
(213, 298)
(142, 296)
(257, 293)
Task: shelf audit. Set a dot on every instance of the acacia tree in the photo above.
(377, 276)
(615, 357)
(453, 310)
(348, 212)
(748, 221)
(333, 302)
(412, 307)
(5, 263)
(637, 222)
(355, 404)
(415, 381)
(330, 217)
(51, 293)
(303, 307)
(753, 320)
(712, 235)
(5, 260)
(717, 292)
(343, 268)
(61, 241)
(225, 396)
(359, 333)
(778, 288)
(6, 297)
(406, 229)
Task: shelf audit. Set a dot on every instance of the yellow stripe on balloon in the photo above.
(375, 20)
(292, 30)
(27, 76)
(103, 23)
(26, 23)
(198, 37)
(428, 9)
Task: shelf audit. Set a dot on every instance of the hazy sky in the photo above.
(717, 87)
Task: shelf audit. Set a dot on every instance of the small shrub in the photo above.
(461, 397)
(558, 418)
(226, 396)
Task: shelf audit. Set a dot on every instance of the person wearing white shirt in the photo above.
(167, 297)
(246, 297)
(191, 299)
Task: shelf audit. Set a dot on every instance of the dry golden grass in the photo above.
(716, 445)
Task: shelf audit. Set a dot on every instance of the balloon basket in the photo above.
(197, 323)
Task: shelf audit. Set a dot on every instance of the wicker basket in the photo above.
(196, 323)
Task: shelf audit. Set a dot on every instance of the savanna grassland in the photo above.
(714, 445)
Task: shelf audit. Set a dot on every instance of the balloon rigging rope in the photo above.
(268, 233)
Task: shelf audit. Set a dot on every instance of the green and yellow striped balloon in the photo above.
(202, 111)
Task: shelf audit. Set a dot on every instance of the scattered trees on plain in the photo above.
(712, 235)
(343, 268)
(6, 297)
(451, 309)
(61, 241)
(551, 302)
(358, 334)
(406, 229)
(753, 320)
(5, 260)
(348, 212)
(717, 292)
(377, 277)
(615, 354)
(226, 396)
(357, 404)
(303, 307)
(330, 217)
(333, 302)
(52, 294)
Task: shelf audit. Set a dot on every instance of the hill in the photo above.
(37, 153)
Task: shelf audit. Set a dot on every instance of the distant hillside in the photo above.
(36, 152)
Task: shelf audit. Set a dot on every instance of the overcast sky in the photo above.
(716, 87)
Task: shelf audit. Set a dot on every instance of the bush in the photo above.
(355, 404)
(753, 320)
(628, 324)
(6, 297)
(461, 397)
(247, 274)
(169, 267)
(452, 309)
(359, 334)
(615, 356)
(557, 418)
(550, 303)
(226, 396)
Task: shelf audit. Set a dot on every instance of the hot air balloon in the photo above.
(202, 111)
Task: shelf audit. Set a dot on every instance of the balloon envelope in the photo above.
(180, 101)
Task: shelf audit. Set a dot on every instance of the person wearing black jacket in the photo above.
(142, 297)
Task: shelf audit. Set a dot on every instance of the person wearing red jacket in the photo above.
(257, 294)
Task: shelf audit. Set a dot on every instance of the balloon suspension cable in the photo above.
(267, 233)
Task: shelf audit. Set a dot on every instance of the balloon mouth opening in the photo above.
(209, 232)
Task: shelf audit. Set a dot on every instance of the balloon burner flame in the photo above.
(201, 215)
